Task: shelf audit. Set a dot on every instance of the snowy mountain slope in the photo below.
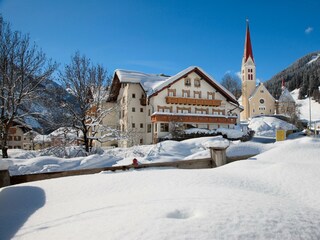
(302, 74)
(304, 107)
(273, 196)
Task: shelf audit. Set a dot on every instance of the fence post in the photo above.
(4, 177)
(218, 155)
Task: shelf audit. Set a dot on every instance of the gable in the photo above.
(261, 92)
(202, 75)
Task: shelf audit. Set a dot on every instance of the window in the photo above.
(250, 74)
(262, 108)
(141, 125)
(141, 109)
(133, 95)
(197, 94)
(133, 109)
(187, 81)
(171, 92)
(149, 112)
(133, 125)
(185, 93)
(122, 113)
(155, 127)
(149, 128)
(197, 82)
(261, 91)
(164, 127)
(17, 138)
(261, 101)
(141, 141)
(210, 95)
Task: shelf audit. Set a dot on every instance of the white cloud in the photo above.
(308, 30)
(238, 74)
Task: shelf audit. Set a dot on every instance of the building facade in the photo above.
(152, 106)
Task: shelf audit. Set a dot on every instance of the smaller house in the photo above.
(286, 104)
(64, 136)
(16, 137)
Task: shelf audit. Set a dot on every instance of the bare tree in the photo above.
(232, 83)
(23, 67)
(87, 83)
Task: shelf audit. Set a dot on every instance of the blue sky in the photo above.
(163, 36)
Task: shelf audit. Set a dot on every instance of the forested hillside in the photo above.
(304, 74)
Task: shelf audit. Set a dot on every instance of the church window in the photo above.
(262, 101)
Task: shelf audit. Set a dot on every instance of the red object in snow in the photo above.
(135, 162)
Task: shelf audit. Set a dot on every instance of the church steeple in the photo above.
(247, 45)
(248, 76)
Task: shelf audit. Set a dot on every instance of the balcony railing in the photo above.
(193, 118)
(193, 101)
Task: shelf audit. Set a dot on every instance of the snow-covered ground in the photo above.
(304, 108)
(25, 162)
(267, 126)
(274, 195)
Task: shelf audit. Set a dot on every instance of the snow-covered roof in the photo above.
(147, 81)
(286, 96)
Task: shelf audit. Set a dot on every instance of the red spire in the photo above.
(247, 45)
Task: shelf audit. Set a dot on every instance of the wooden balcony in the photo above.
(193, 118)
(193, 101)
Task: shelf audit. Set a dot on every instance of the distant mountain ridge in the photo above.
(303, 74)
(47, 112)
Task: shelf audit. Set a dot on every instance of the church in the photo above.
(256, 99)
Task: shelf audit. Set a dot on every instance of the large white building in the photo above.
(149, 106)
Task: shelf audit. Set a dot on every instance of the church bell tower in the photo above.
(248, 75)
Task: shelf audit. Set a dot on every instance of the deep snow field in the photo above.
(26, 162)
(274, 195)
